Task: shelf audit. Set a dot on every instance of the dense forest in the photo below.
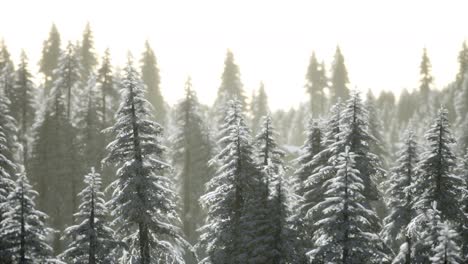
(95, 166)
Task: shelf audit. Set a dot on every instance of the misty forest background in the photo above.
(95, 167)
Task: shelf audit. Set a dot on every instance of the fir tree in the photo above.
(152, 79)
(50, 56)
(68, 78)
(230, 89)
(316, 82)
(346, 234)
(437, 182)
(143, 200)
(107, 88)
(400, 200)
(375, 129)
(87, 53)
(447, 250)
(23, 104)
(192, 152)
(259, 108)
(7, 73)
(339, 78)
(234, 196)
(23, 228)
(426, 77)
(91, 240)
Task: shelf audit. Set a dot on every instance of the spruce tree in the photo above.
(91, 241)
(447, 250)
(279, 235)
(23, 229)
(346, 233)
(7, 73)
(234, 195)
(426, 77)
(316, 82)
(192, 152)
(50, 56)
(143, 201)
(152, 80)
(231, 88)
(339, 78)
(438, 182)
(68, 78)
(375, 128)
(87, 54)
(107, 88)
(259, 108)
(23, 104)
(400, 200)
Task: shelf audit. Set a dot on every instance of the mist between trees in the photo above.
(95, 167)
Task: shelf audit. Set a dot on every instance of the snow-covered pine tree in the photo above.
(278, 234)
(400, 200)
(346, 234)
(339, 78)
(438, 182)
(375, 127)
(91, 241)
(316, 167)
(89, 123)
(143, 201)
(356, 135)
(193, 150)
(447, 250)
(67, 77)
(7, 164)
(23, 104)
(7, 72)
(463, 172)
(234, 195)
(316, 82)
(23, 229)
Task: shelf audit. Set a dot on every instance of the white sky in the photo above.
(272, 41)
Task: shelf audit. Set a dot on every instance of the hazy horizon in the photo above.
(382, 42)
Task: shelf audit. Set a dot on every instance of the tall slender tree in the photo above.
(107, 88)
(152, 80)
(91, 241)
(339, 78)
(87, 54)
(426, 80)
(259, 108)
(143, 201)
(23, 228)
(316, 82)
(400, 200)
(50, 56)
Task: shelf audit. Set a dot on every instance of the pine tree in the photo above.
(462, 64)
(23, 227)
(7, 73)
(234, 195)
(339, 78)
(375, 129)
(152, 79)
(280, 237)
(316, 82)
(463, 172)
(89, 123)
(87, 54)
(91, 240)
(53, 163)
(108, 89)
(400, 200)
(447, 250)
(50, 56)
(143, 200)
(358, 138)
(192, 152)
(437, 182)
(426, 77)
(230, 89)
(259, 108)
(346, 233)
(68, 78)
(23, 104)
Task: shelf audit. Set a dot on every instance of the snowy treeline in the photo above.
(95, 167)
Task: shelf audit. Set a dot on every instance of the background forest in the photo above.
(95, 166)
